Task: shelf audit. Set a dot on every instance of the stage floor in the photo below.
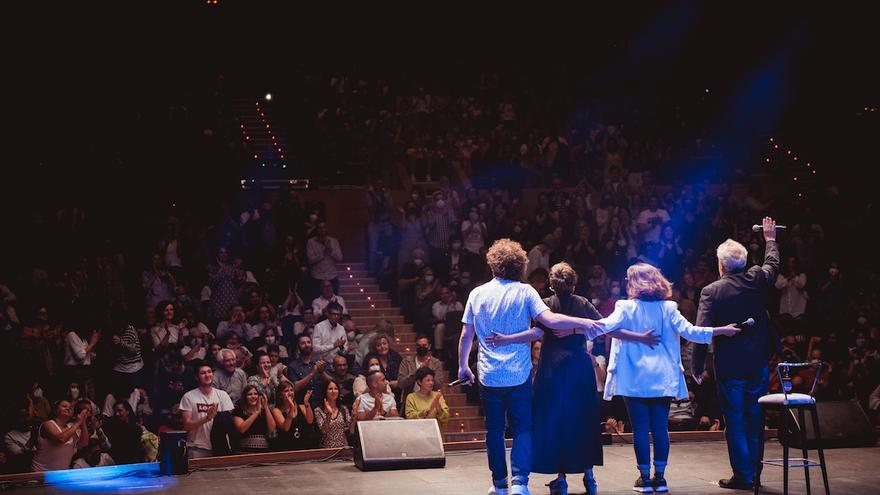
(694, 468)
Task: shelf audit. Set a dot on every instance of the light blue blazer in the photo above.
(636, 370)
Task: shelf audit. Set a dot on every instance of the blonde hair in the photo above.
(563, 278)
(645, 282)
(732, 255)
(507, 259)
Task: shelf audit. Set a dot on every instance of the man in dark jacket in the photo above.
(740, 361)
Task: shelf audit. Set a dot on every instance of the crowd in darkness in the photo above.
(103, 349)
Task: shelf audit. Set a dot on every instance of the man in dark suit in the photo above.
(740, 361)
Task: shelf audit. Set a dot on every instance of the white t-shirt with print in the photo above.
(197, 404)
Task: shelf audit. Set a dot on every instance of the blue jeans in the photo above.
(649, 415)
(744, 431)
(514, 404)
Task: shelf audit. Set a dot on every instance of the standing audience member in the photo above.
(333, 419)
(225, 282)
(792, 285)
(199, 408)
(329, 337)
(323, 253)
(319, 304)
(254, 421)
(59, 438)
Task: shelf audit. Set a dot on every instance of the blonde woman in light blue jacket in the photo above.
(649, 377)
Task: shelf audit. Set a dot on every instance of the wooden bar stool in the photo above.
(788, 403)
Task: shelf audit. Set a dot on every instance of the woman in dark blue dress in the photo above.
(566, 436)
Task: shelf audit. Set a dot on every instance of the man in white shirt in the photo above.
(439, 309)
(329, 336)
(539, 257)
(323, 252)
(327, 296)
(651, 220)
(377, 404)
(199, 407)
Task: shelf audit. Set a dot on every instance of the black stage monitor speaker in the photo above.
(172, 453)
(398, 444)
(841, 423)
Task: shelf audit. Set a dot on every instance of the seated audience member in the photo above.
(75, 395)
(426, 403)
(360, 386)
(93, 456)
(344, 381)
(377, 404)
(307, 325)
(59, 438)
(388, 358)
(329, 336)
(333, 419)
(135, 397)
(228, 377)
(263, 321)
(254, 421)
(681, 414)
(295, 422)
(194, 350)
(271, 338)
(199, 408)
(94, 424)
(18, 442)
(266, 378)
(410, 366)
(125, 435)
(234, 325)
(319, 304)
(366, 341)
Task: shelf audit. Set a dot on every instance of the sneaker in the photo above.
(520, 490)
(498, 491)
(643, 484)
(659, 483)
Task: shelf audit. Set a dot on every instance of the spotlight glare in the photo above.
(268, 96)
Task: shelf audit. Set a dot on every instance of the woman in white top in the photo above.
(166, 331)
(79, 351)
(59, 438)
(649, 377)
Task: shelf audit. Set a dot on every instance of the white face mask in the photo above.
(351, 335)
(375, 367)
(74, 393)
(441, 203)
(418, 262)
(38, 392)
(415, 196)
(270, 339)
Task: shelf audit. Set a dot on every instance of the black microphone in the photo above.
(457, 382)
(745, 324)
(758, 228)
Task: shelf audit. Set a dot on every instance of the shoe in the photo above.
(643, 484)
(559, 486)
(498, 491)
(592, 486)
(659, 484)
(735, 484)
(520, 490)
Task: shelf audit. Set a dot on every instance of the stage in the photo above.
(694, 469)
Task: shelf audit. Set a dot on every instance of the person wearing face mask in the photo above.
(359, 386)
(271, 340)
(406, 378)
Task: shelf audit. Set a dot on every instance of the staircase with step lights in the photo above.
(367, 306)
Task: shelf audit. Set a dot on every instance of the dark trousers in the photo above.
(742, 415)
(515, 405)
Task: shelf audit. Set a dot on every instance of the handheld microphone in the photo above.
(457, 382)
(758, 228)
(745, 324)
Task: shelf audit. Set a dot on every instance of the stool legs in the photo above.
(786, 412)
(818, 436)
(760, 456)
(803, 427)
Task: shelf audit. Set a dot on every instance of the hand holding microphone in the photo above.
(769, 227)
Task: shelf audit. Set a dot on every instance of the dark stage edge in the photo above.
(694, 468)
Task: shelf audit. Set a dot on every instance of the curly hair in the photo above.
(563, 278)
(645, 282)
(507, 259)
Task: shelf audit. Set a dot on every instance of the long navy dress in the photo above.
(565, 412)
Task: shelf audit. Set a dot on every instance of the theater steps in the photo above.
(367, 306)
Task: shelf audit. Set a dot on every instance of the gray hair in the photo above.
(732, 255)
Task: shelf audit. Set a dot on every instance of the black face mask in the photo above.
(421, 351)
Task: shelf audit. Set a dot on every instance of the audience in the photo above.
(254, 421)
(199, 408)
(425, 402)
(333, 419)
